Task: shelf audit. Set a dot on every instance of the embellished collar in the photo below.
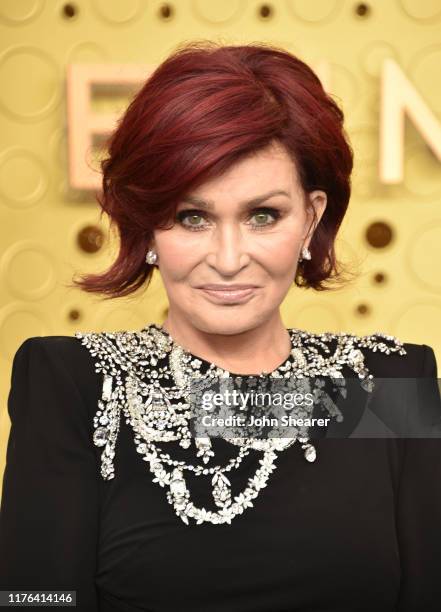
(161, 334)
(146, 378)
(312, 354)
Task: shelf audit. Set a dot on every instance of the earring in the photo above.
(306, 254)
(151, 257)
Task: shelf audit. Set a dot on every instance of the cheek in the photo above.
(286, 249)
(279, 252)
(176, 258)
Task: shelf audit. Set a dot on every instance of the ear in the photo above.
(318, 201)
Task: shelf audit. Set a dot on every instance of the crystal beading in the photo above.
(147, 375)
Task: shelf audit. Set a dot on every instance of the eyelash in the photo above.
(194, 212)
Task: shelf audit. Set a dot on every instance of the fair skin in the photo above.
(234, 243)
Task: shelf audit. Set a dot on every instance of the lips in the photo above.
(229, 294)
(220, 287)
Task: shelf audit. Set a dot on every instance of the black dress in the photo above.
(357, 530)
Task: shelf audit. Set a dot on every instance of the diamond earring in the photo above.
(151, 257)
(306, 254)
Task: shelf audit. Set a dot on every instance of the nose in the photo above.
(227, 253)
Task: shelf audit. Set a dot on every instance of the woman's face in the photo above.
(246, 227)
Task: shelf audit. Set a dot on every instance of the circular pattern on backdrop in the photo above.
(23, 178)
(422, 68)
(90, 238)
(362, 10)
(69, 11)
(372, 56)
(347, 252)
(424, 254)
(379, 234)
(317, 12)
(412, 322)
(17, 323)
(116, 12)
(112, 319)
(425, 11)
(85, 52)
(17, 13)
(265, 11)
(73, 314)
(379, 278)
(421, 171)
(344, 87)
(166, 11)
(218, 12)
(318, 317)
(33, 81)
(28, 270)
(362, 309)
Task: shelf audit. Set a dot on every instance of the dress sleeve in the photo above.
(49, 510)
(419, 515)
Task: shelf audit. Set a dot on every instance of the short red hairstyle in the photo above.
(203, 109)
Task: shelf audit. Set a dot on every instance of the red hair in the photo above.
(203, 109)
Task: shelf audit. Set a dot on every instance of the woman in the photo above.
(230, 172)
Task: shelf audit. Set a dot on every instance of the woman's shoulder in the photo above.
(65, 350)
(382, 354)
(63, 356)
(418, 360)
(54, 387)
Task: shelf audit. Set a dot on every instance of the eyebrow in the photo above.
(209, 204)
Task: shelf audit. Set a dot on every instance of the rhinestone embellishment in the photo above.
(145, 380)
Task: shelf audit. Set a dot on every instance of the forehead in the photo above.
(268, 170)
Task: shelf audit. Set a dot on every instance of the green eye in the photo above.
(262, 217)
(192, 219)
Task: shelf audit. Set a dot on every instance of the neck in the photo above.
(249, 351)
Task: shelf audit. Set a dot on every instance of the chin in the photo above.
(229, 324)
